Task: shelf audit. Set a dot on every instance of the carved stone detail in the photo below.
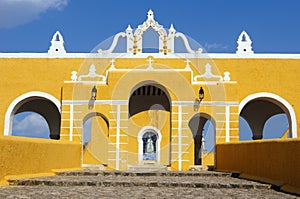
(74, 76)
(208, 74)
(92, 74)
(134, 38)
(226, 76)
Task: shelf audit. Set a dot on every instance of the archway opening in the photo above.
(148, 97)
(33, 112)
(149, 110)
(94, 122)
(30, 124)
(203, 129)
(266, 118)
(95, 132)
(150, 41)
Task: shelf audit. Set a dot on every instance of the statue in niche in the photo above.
(149, 145)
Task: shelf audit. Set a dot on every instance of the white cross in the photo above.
(150, 61)
(187, 63)
(112, 62)
(112, 66)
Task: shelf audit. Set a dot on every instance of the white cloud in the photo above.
(215, 46)
(17, 12)
(32, 125)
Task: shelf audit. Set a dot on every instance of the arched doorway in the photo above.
(258, 109)
(150, 96)
(39, 103)
(149, 111)
(95, 132)
(203, 128)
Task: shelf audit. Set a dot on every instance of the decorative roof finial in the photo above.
(57, 45)
(172, 29)
(150, 15)
(129, 30)
(244, 44)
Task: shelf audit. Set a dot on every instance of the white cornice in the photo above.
(154, 55)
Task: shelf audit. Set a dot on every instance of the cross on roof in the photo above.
(150, 60)
(112, 62)
(187, 63)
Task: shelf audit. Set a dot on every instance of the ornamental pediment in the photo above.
(166, 38)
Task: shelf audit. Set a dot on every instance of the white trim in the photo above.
(13, 107)
(140, 141)
(179, 138)
(174, 103)
(287, 105)
(118, 137)
(227, 123)
(154, 55)
(71, 121)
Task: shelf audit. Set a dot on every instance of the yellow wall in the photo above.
(251, 76)
(273, 161)
(31, 155)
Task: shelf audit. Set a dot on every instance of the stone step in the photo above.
(144, 181)
(141, 172)
(147, 168)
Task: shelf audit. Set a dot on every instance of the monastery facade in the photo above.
(149, 105)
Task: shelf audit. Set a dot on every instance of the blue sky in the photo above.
(28, 25)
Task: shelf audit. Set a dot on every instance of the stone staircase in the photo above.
(137, 177)
(136, 183)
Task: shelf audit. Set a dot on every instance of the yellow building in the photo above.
(142, 102)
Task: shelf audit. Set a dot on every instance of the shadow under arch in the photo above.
(257, 108)
(196, 125)
(38, 102)
(148, 95)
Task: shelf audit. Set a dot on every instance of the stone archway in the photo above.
(95, 133)
(148, 96)
(196, 125)
(256, 109)
(149, 111)
(37, 102)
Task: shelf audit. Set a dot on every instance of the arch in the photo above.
(141, 144)
(276, 127)
(89, 116)
(146, 94)
(196, 125)
(33, 101)
(284, 105)
(150, 41)
(93, 114)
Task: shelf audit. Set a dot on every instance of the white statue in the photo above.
(149, 145)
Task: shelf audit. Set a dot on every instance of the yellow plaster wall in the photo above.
(272, 161)
(19, 76)
(22, 75)
(278, 76)
(31, 155)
